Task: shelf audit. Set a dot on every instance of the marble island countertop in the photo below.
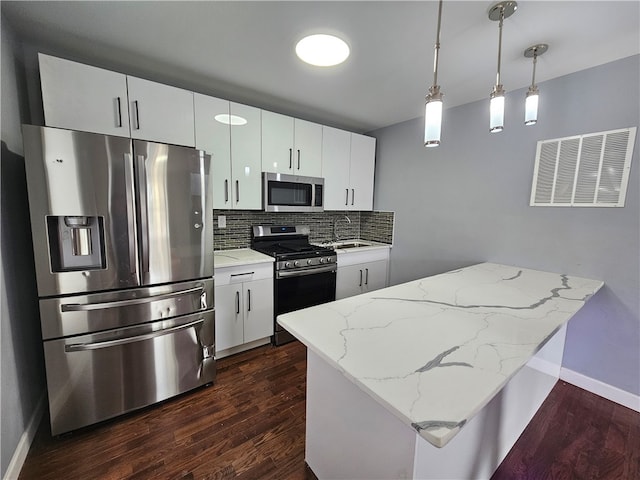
(435, 351)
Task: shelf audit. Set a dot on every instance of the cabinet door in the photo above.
(375, 275)
(258, 304)
(85, 98)
(362, 166)
(229, 316)
(213, 134)
(336, 147)
(277, 143)
(246, 164)
(160, 113)
(349, 281)
(307, 152)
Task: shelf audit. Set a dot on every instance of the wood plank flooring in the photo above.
(251, 425)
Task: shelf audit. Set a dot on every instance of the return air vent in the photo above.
(583, 171)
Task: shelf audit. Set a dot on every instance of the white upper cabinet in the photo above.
(230, 133)
(336, 156)
(81, 97)
(160, 113)
(291, 145)
(348, 163)
(90, 99)
(361, 171)
(246, 163)
(308, 148)
(213, 135)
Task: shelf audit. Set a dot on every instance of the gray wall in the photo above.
(22, 377)
(467, 201)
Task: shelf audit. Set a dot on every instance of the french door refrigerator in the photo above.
(123, 247)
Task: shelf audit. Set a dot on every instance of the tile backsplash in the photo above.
(325, 226)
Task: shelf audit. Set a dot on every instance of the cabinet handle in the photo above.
(353, 195)
(290, 159)
(346, 200)
(360, 278)
(237, 191)
(248, 300)
(298, 159)
(135, 107)
(237, 303)
(119, 110)
(226, 190)
(366, 277)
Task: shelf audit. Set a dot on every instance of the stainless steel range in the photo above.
(304, 274)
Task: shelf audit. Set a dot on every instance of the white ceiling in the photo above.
(244, 51)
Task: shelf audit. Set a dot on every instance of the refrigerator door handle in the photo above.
(85, 307)
(131, 222)
(144, 221)
(82, 347)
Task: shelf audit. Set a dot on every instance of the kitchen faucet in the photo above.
(335, 223)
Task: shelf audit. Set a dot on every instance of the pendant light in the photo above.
(531, 101)
(433, 105)
(499, 12)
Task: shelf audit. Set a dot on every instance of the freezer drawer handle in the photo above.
(83, 307)
(81, 347)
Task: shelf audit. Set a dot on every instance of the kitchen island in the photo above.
(434, 378)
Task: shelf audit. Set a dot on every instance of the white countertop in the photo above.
(238, 257)
(435, 351)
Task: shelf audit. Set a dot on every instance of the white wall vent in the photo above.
(583, 171)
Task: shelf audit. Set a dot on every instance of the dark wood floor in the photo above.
(251, 425)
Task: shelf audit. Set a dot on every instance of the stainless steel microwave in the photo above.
(292, 193)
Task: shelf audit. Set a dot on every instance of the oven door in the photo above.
(295, 291)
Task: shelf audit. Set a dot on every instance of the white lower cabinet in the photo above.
(361, 272)
(244, 306)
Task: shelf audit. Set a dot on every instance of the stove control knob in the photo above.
(329, 259)
(296, 263)
(287, 265)
(309, 262)
(321, 260)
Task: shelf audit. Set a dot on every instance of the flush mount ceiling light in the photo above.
(322, 50)
(230, 119)
(531, 102)
(499, 12)
(433, 104)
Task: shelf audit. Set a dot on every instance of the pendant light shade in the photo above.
(433, 118)
(499, 12)
(531, 107)
(496, 110)
(433, 105)
(531, 102)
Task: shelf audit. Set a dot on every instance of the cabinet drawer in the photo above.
(246, 273)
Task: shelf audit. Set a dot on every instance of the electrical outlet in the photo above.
(222, 221)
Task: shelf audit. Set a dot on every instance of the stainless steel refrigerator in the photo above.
(123, 247)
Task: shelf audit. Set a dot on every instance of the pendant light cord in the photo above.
(500, 43)
(437, 47)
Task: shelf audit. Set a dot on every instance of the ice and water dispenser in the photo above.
(76, 243)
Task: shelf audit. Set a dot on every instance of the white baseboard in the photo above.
(604, 390)
(20, 454)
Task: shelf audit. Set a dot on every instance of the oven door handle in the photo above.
(309, 271)
(81, 347)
